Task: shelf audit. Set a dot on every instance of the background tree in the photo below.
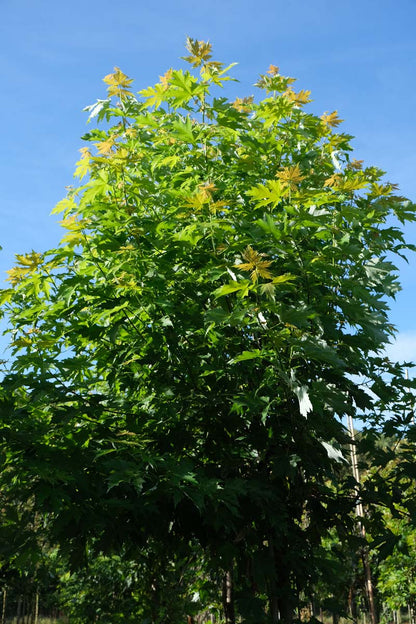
(182, 362)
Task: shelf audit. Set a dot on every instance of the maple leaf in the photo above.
(154, 95)
(118, 83)
(85, 152)
(31, 260)
(353, 184)
(380, 190)
(73, 223)
(131, 132)
(164, 80)
(83, 165)
(302, 97)
(75, 226)
(333, 180)
(197, 201)
(347, 184)
(22, 341)
(273, 70)
(105, 147)
(203, 196)
(331, 119)
(274, 82)
(26, 264)
(243, 105)
(255, 264)
(290, 176)
(268, 289)
(199, 51)
(207, 189)
(355, 164)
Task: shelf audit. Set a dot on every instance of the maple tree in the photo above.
(182, 361)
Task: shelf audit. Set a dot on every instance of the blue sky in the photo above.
(356, 56)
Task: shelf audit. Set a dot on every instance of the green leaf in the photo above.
(247, 355)
(183, 130)
(66, 205)
(229, 288)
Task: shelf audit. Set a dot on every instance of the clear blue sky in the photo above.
(357, 56)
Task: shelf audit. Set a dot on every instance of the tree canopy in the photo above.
(182, 362)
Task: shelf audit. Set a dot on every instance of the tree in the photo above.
(182, 362)
(396, 571)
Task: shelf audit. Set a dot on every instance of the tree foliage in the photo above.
(181, 363)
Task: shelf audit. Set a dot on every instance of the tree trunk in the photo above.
(3, 609)
(360, 514)
(369, 583)
(273, 599)
(274, 609)
(19, 611)
(285, 608)
(228, 598)
(36, 618)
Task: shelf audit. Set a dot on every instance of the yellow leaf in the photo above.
(31, 260)
(347, 184)
(67, 204)
(355, 164)
(76, 235)
(74, 224)
(199, 52)
(131, 132)
(26, 264)
(74, 238)
(273, 70)
(331, 119)
(105, 147)
(121, 154)
(243, 105)
(207, 189)
(202, 197)
(290, 176)
(16, 274)
(382, 190)
(118, 83)
(22, 341)
(164, 80)
(333, 180)
(255, 264)
(302, 97)
(83, 165)
(197, 201)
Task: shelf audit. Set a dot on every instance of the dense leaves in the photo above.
(182, 362)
